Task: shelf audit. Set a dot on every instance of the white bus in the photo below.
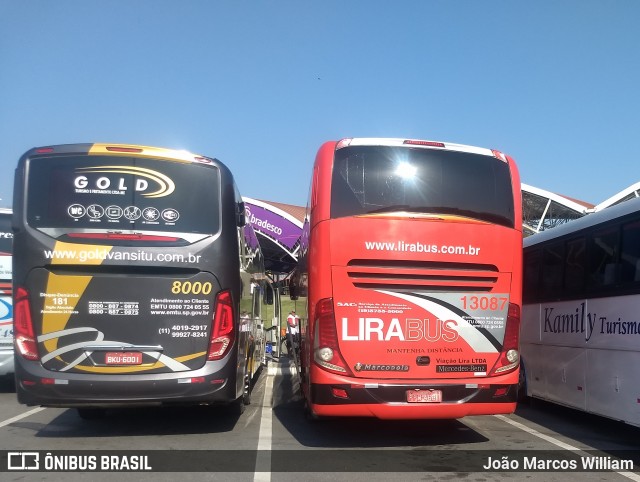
(6, 303)
(580, 338)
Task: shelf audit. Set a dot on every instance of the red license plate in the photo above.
(424, 396)
(123, 358)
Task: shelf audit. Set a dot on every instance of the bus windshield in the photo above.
(123, 193)
(377, 179)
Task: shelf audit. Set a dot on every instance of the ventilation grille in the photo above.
(396, 275)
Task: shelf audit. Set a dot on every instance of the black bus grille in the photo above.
(397, 275)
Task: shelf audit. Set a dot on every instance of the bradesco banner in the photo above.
(272, 225)
(388, 334)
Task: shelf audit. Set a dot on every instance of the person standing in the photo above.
(293, 328)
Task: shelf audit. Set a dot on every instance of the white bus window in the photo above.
(602, 258)
(630, 255)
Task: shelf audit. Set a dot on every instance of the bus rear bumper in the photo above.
(390, 401)
(39, 387)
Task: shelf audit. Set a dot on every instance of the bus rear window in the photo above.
(375, 179)
(121, 193)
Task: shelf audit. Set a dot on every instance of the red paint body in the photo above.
(417, 307)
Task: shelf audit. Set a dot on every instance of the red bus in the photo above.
(411, 263)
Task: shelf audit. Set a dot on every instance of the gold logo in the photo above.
(164, 183)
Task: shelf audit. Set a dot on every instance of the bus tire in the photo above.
(237, 406)
(309, 414)
(91, 413)
(522, 384)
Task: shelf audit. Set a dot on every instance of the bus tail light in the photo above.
(499, 155)
(343, 143)
(326, 352)
(413, 142)
(136, 150)
(509, 358)
(222, 331)
(25, 338)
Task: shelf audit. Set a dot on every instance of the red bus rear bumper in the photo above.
(389, 401)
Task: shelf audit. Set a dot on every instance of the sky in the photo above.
(260, 85)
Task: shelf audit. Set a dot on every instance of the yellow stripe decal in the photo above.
(56, 316)
(62, 296)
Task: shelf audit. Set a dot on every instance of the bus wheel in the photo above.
(91, 413)
(522, 384)
(237, 406)
(309, 414)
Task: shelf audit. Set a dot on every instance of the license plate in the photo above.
(123, 358)
(424, 396)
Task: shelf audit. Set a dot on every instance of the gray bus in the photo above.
(136, 280)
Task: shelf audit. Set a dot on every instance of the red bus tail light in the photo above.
(135, 150)
(509, 358)
(413, 142)
(343, 143)
(25, 338)
(222, 331)
(326, 352)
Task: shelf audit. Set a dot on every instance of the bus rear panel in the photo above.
(126, 286)
(413, 279)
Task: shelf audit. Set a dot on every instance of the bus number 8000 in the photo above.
(189, 288)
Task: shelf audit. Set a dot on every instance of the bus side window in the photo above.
(532, 276)
(257, 300)
(630, 253)
(574, 266)
(242, 248)
(602, 258)
(552, 264)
